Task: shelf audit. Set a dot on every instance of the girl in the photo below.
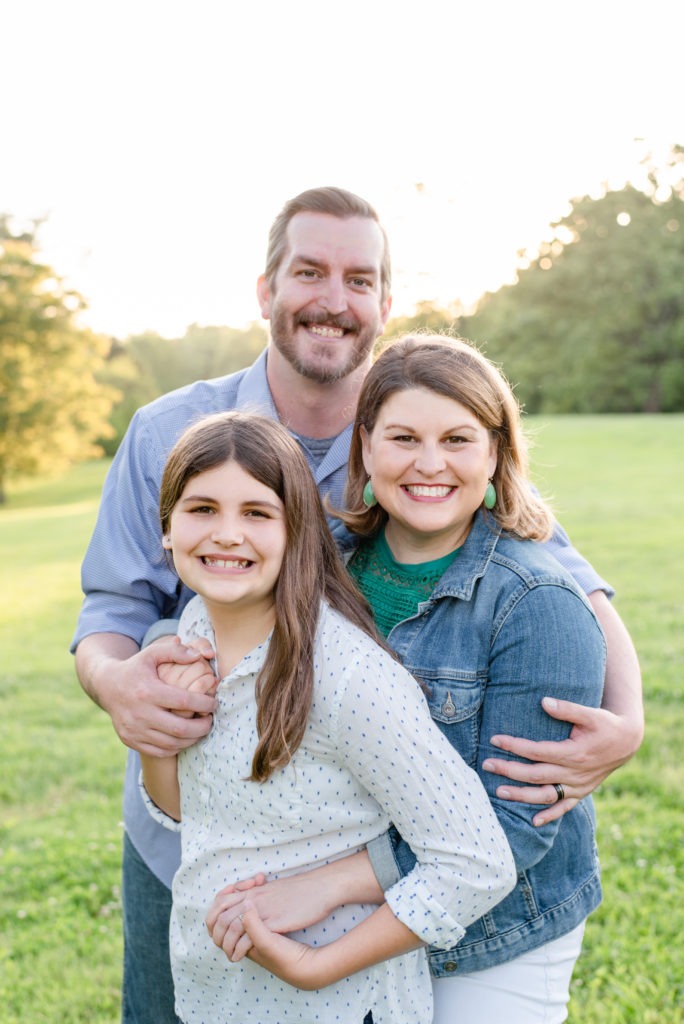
(319, 740)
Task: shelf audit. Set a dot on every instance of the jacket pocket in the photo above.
(455, 706)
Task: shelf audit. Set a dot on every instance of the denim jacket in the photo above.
(504, 627)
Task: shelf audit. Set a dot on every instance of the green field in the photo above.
(618, 487)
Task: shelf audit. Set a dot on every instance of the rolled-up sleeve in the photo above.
(464, 865)
(156, 812)
(584, 574)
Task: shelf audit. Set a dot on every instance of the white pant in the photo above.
(532, 989)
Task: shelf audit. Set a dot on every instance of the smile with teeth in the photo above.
(323, 331)
(428, 490)
(226, 563)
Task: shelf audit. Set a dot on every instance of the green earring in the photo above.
(490, 496)
(369, 498)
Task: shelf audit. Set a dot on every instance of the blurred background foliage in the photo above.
(593, 323)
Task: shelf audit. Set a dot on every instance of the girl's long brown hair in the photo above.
(311, 568)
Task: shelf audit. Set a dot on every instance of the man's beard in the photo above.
(284, 325)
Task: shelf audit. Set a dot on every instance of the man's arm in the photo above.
(160, 774)
(601, 740)
(125, 683)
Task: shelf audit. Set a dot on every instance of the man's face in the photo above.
(325, 303)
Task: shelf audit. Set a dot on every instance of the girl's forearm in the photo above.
(378, 937)
(160, 775)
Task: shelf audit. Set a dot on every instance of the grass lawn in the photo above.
(618, 487)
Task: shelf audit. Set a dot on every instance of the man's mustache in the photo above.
(343, 321)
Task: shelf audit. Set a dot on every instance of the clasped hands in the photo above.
(247, 919)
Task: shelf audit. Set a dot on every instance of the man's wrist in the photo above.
(632, 731)
(162, 628)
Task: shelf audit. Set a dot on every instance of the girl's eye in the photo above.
(202, 509)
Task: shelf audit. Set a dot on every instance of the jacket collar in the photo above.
(476, 554)
(254, 395)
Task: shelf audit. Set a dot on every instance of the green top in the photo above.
(394, 589)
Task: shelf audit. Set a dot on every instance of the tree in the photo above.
(426, 318)
(148, 365)
(52, 409)
(595, 321)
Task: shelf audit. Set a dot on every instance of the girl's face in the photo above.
(227, 536)
(429, 458)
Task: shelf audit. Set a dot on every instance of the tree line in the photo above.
(593, 323)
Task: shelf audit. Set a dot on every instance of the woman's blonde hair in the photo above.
(456, 369)
(311, 568)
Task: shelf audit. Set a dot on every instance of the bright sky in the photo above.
(162, 137)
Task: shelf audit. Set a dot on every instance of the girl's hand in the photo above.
(224, 918)
(293, 962)
(197, 676)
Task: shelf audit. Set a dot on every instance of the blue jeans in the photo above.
(147, 983)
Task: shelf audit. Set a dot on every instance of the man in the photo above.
(326, 292)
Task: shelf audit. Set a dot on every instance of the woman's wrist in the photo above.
(350, 880)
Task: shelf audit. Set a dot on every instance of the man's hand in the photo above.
(599, 742)
(146, 713)
(601, 739)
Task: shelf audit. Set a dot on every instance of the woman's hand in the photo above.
(283, 905)
(297, 901)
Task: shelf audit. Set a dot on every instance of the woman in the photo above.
(439, 498)
(320, 738)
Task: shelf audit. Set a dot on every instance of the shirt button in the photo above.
(450, 966)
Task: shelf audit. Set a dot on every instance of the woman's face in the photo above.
(429, 459)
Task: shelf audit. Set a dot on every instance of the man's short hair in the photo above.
(336, 202)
